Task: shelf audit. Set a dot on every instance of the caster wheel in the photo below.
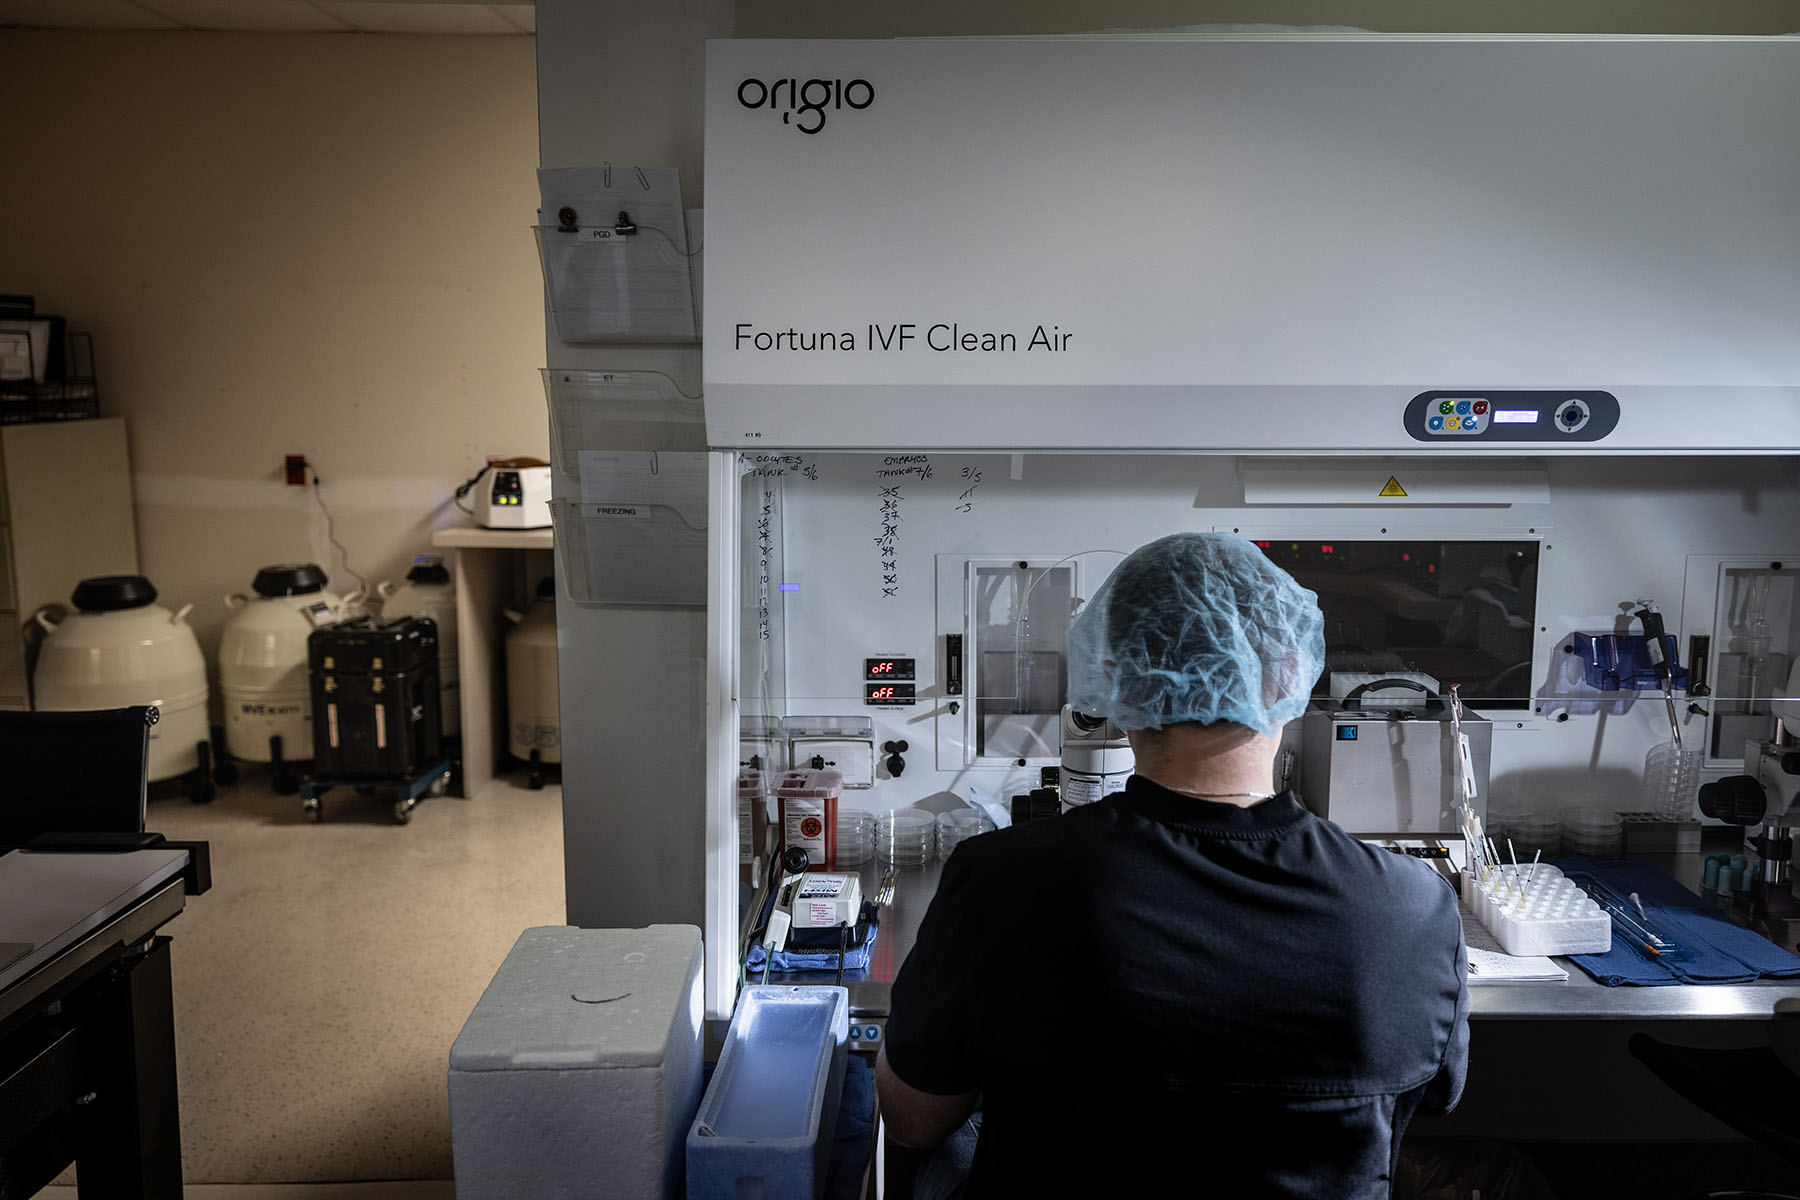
(315, 810)
(402, 812)
(441, 784)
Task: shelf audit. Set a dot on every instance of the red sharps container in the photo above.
(808, 802)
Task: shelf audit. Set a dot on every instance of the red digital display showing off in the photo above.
(888, 693)
(888, 668)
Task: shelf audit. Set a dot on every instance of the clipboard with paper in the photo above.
(617, 255)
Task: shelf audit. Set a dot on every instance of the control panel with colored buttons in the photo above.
(866, 1033)
(1454, 418)
(1511, 416)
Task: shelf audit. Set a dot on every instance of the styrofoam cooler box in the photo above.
(578, 1072)
(767, 1121)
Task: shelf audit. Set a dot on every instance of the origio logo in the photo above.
(805, 103)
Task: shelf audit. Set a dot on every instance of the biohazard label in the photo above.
(1392, 488)
(803, 824)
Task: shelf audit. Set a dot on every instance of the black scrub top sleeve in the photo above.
(931, 1037)
(1443, 1092)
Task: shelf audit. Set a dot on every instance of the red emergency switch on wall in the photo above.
(296, 469)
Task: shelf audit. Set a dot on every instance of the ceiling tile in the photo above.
(276, 16)
(400, 16)
(522, 15)
(80, 14)
(248, 16)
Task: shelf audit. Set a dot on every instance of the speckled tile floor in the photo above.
(320, 983)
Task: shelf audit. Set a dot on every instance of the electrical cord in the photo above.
(468, 485)
(694, 253)
(362, 585)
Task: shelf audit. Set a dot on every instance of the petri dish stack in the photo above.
(1533, 831)
(957, 824)
(906, 837)
(1592, 833)
(855, 837)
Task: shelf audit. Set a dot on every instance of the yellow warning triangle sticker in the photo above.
(1393, 488)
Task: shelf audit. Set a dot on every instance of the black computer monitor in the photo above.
(73, 772)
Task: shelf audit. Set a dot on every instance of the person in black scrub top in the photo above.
(1194, 980)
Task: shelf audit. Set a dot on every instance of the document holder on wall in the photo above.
(623, 410)
(637, 535)
(617, 257)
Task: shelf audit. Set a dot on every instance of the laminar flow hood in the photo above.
(1362, 244)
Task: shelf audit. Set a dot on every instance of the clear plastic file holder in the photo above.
(614, 246)
(621, 409)
(637, 535)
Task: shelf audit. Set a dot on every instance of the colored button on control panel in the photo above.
(1479, 407)
(1434, 423)
(1446, 407)
(1462, 408)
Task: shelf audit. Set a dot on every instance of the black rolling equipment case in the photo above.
(375, 698)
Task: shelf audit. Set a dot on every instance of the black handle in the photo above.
(1353, 698)
(1699, 651)
(1653, 640)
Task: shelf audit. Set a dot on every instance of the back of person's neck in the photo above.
(1222, 762)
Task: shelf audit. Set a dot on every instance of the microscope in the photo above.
(1768, 799)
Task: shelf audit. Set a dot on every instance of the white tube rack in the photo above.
(1537, 910)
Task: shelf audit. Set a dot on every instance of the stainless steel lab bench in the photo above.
(1577, 998)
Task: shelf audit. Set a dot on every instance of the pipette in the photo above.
(1637, 927)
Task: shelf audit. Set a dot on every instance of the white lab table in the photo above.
(488, 566)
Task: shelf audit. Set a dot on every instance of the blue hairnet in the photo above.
(1196, 627)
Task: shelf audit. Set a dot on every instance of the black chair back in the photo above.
(73, 772)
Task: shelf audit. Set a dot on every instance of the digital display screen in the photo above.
(888, 668)
(1515, 416)
(888, 693)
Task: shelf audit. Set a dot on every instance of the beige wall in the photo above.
(285, 244)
